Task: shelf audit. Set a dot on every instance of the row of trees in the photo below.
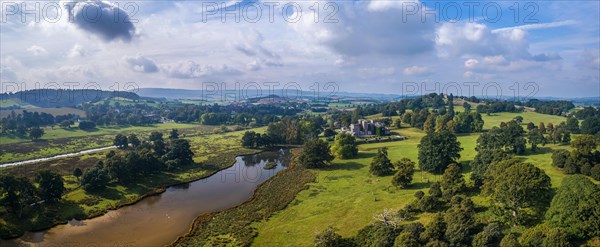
(463, 122)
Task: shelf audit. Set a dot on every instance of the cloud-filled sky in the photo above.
(363, 46)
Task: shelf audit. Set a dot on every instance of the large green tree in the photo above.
(437, 150)
(344, 146)
(521, 192)
(381, 164)
(17, 193)
(315, 154)
(575, 207)
(453, 181)
(51, 184)
(404, 174)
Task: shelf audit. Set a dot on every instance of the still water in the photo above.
(158, 220)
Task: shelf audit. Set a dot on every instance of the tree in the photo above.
(381, 164)
(344, 146)
(435, 230)
(51, 184)
(134, 140)
(249, 139)
(86, 125)
(542, 127)
(595, 172)
(490, 236)
(482, 160)
(452, 181)
(329, 238)
(572, 125)
(94, 179)
(438, 150)
(65, 124)
(174, 134)
(510, 240)
(180, 150)
(566, 138)
(404, 174)
(120, 141)
(467, 107)
(158, 143)
(36, 133)
(531, 126)
(560, 157)
(575, 207)
(77, 172)
(536, 137)
(17, 192)
(519, 189)
(518, 119)
(377, 234)
(584, 144)
(459, 222)
(315, 154)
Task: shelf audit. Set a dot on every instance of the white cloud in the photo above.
(417, 70)
(77, 51)
(190, 69)
(140, 63)
(37, 50)
(537, 26)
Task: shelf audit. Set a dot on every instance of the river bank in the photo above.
(233, 226)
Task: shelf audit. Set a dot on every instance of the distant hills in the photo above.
(234, 95)
(56, 98)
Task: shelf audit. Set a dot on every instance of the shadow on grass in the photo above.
(420, 185)
(348, 166)
(109, 193)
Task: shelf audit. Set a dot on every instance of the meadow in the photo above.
(60, 141)
(347, 197)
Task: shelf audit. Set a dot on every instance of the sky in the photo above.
(511, 48)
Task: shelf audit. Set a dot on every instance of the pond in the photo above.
(158, 220)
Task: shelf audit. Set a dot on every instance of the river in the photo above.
(158, 220)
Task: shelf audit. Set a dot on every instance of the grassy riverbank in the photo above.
(233, 227)
(213, 152)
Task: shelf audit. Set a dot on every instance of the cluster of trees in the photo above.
(590, 120)
(552, 107)
(498, 106)
(295, 130)
(27, 124)
(17, 194)
(463, 122)
(140, 158)
(584, 157)
(252, 139)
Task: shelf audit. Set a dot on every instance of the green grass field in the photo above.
(59, 141)
(347, 197)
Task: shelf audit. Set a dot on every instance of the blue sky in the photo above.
(374, 46)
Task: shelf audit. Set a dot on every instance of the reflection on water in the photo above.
(160, 219)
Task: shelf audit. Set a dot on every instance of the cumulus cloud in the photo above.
(37, 50)
(375, 27)
(141, 64)
(190, 69)
(76, 51)
(417, 70)
(102, 18)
